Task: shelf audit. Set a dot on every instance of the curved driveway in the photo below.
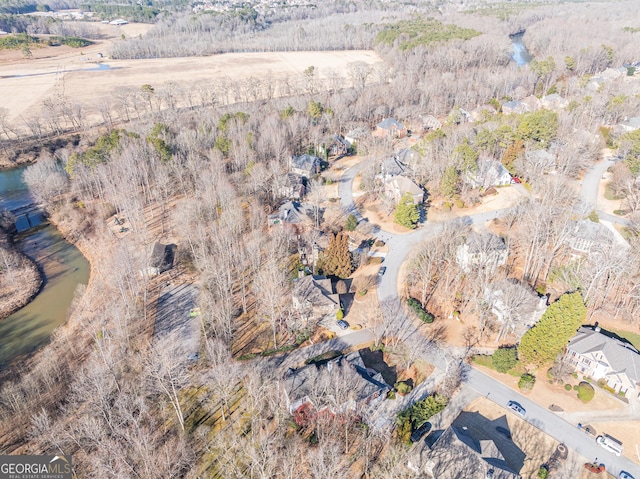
(399, 248)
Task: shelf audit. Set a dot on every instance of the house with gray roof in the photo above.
(585, 235)
(392, 167)
(514, 106)
(389, 127)
(630, 124)
(554, 102)
(460, 452)
(305, 165)
(341, 385)
(294, 213)
(490, 172)
(486, 250)
(599, 355)
(316, 294)
(397, 186)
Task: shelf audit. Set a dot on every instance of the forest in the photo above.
(204, 167)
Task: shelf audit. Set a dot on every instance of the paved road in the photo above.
(399, 248)
(589, 190)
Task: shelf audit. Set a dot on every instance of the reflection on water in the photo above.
(64, 268)
(520, 53)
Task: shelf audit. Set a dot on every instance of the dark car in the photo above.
(517, 408)
(504, 431)
(382, 270)
(420, 432)
(342, 324)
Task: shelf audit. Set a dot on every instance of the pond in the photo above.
(64, 269)
(520, 54)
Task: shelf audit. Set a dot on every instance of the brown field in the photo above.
(53, 71)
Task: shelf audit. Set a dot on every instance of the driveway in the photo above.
(399, 248)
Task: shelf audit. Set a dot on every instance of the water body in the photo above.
(64, 268)
(520, 53)
(102, 67)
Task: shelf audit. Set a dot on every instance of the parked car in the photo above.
(382, 270)
(517, 408)
(342, 324)
(625, 475)
(420, 432)
(504, 431)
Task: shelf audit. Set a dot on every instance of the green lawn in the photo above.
(633, 338)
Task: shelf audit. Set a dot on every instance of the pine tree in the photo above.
(542, 343)
(407, 213)
(336, 260)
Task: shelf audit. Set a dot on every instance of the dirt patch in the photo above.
(505, 197)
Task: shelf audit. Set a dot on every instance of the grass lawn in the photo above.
(633, 338)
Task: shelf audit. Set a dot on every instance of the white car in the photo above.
(517, 408)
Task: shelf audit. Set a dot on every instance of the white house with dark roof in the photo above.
(490, 172)
(597, 355)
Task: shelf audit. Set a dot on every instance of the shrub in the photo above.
(391, 394)
(504, 359)
(543, 473)
(575, 388)
(459, 203)
(339, 315)
(527, 382)
(567, 387)
(351, 223)
(417, 308)
(585, 391)
(402, 387)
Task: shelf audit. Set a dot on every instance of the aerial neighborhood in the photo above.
(336, 240)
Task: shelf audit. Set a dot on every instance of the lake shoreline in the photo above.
(30, 287)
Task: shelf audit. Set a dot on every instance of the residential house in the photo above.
(118, 22)
(472, 448)
(595, 83)
(294, 213)
(357, 135)
(514, 106)
(408, 157)
(161, 260)
(397, 186)
(490, 172)
(630, 124)
(486, 251)
(585, 235)
(342, 385)
(305, 165)
(429, 122)
(600, 355)
(540, 160)
(392, 167)
(290, 186)
(553, 102)
(613, 73)
(390, 128)
(515, 305)
(315, 293)
(335, 145)
(482, 112)
(531, 103)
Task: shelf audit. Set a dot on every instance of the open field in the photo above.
(75, 73)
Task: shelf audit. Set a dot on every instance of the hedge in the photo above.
(417, 308)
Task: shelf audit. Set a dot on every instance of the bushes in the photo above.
(403, 388)
(504, 359)
(340, 315)
(417, 308)
(543, 473)
(527, 382)
(567, 387)
(585, 391)
(416, 415)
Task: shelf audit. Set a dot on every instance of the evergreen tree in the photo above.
(542, 343)
(407, 213)
(351, 223)
(336, 259)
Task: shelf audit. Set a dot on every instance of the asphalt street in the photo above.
(399, 248)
